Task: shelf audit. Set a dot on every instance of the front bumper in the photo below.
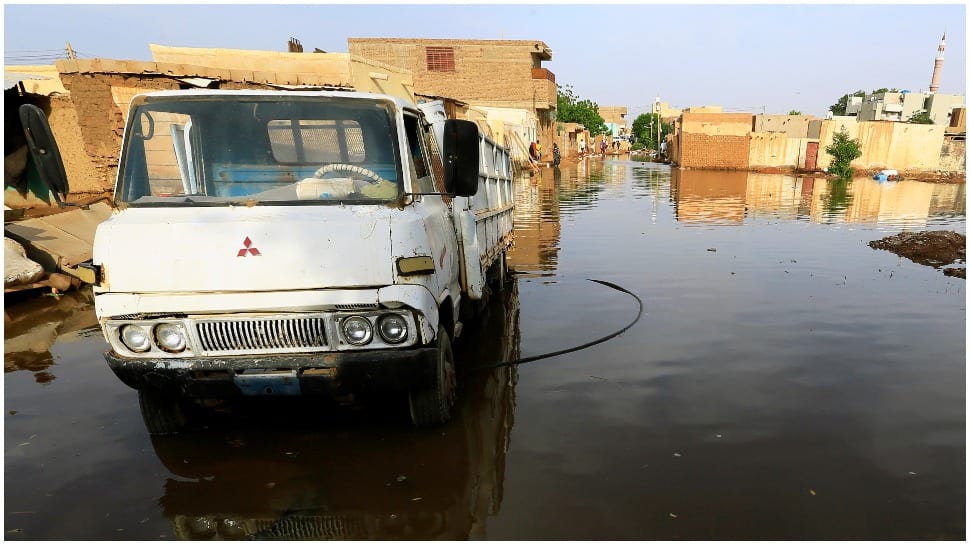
(317, 374)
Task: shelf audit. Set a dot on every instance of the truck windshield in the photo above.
(239, 149)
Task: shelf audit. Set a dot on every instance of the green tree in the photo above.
(794, 112)
(843, 151)
(571, 109)
(922, 118)
(645, 129)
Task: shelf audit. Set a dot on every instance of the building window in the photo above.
(440, 59)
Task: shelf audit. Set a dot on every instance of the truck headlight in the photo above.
(136, 338)
(357, 330)
(170, 337)
(393, 328)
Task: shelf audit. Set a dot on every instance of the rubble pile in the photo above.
(932, 248)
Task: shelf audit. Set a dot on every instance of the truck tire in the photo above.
(163, 414)
(431, 405)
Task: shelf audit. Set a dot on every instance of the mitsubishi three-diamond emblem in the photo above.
(248, 248)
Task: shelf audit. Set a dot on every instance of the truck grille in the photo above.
(253, 335)
(300, 527)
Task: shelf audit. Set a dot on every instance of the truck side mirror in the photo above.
(43, 150)
(461, 156)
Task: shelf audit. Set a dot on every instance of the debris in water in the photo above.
(931, 248)
(673, 516)
(676, 455)
(401, 478)
(712, 249)
(812, 492)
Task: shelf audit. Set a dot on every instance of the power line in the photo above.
(35, 50)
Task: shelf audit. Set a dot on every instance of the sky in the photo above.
(756, 58)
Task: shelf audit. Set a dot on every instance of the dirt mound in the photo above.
(931, 248)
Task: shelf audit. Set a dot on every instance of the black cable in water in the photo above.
(582, 346)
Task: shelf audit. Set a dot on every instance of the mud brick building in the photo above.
(491, 75)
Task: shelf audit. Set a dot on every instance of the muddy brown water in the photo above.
(785, 382)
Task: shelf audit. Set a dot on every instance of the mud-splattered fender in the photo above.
(417, 297)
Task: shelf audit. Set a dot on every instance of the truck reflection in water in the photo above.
(349, 481)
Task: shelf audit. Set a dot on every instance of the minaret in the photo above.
(938, 65)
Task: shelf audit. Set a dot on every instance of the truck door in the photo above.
(429, 178)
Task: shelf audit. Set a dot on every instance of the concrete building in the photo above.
(499, 75)
(570, 136)
(668, 113)
(904, 105)
(615, 119)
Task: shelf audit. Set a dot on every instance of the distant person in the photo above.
(582, 147)
(555, 154)
(603, 147)
(538, 151)
(532, 151)
(663, 148)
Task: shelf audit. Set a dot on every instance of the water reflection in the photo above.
(731, 198)
(32, 326)
(536, 222)
(357, 482)
(549, 198)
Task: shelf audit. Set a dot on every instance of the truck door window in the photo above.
(419, 157)
(436, 168)
(171, 169)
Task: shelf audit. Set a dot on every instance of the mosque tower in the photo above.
(938, 65)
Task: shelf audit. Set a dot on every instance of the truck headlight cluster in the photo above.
(168, 336)
(136, 338)
(393, 328)
(359, 330)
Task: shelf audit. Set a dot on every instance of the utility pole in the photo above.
(70, 52)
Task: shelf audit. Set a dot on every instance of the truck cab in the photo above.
(295, 243)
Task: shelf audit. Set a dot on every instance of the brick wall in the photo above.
(716, 152)
(487, 72)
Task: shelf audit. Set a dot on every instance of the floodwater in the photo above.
(785, 381)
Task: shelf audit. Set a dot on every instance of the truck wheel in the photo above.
(163, 414)
(431, 405)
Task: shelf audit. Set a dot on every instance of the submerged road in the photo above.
(786, 381)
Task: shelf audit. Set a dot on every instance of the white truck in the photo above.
(270, 243)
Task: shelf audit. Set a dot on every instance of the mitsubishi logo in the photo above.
(247, 248)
